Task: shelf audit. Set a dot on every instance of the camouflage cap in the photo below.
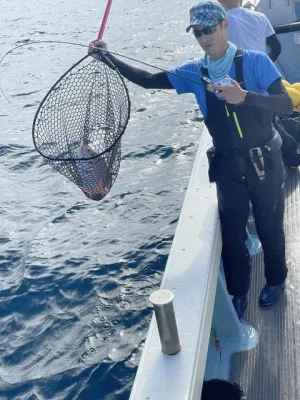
(206, 13)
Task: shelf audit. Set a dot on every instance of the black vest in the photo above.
(237, 126)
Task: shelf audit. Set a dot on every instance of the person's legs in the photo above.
(267, 197)
(267, 200)
(233, 203)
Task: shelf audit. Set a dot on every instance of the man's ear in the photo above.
(225, 23)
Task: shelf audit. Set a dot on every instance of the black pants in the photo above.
(237, 183)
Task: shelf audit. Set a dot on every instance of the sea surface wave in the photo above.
(76, 275)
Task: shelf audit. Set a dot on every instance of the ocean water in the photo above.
(75, 274)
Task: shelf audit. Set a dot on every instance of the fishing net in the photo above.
(78, 126)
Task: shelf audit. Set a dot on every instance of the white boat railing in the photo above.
(202, 312)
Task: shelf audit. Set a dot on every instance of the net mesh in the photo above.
(79, 124)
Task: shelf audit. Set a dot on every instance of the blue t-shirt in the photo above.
(259, 73)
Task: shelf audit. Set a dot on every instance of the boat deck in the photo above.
(271, 370)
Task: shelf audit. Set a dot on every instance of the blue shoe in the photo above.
(270, 294)
(239, 304)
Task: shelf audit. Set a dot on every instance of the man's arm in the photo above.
(140, 77)
(273, 47)
(147, 80)
(277, 101)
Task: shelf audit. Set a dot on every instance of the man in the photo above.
(250, 30)
(247, 164)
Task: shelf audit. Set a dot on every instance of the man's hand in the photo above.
(232, 94)
(97, 48)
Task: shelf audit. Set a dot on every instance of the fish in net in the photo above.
(79, 124)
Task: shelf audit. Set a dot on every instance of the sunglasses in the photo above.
(208, 30)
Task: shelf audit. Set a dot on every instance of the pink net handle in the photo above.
(104, 20)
